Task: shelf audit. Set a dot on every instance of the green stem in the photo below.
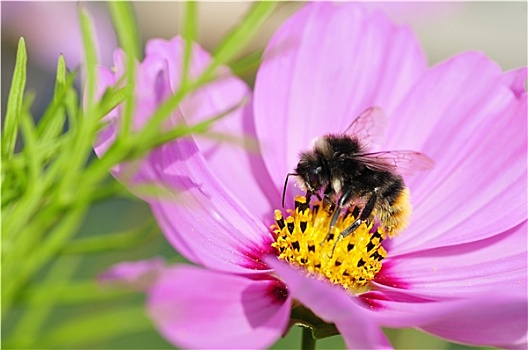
(308, 341)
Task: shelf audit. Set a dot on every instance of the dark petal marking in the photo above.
(386, 278)
(372, 300)
(278, 292)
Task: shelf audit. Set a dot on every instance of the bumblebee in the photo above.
(347, 173)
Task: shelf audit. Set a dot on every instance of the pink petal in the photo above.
(516, 78)
(138, 275)
(483, 266)
(197, 308)
(324, 66)
(501, 323)
(478, 142)
(498, 319)
(334, 305)
(200, 218)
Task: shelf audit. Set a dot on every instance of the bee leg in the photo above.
(365, 214)
(343, 200)
(350, 229)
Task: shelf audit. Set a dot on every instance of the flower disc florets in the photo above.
(301, 239)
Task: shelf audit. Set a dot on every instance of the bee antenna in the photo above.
(286, 184)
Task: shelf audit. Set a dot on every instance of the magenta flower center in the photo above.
(301, 239)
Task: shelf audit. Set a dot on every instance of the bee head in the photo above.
(313, 172)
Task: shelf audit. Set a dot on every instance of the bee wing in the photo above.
(369, 126)
(399, 162)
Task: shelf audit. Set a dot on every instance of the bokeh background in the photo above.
(444, 28)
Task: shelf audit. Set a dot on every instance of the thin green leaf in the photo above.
(60, 80)
(97, 327)
(198, 128)
(70, 293)
(151, 130)
(71, 102)
(189, 33)
(112, 98)
(126, 27)
(31, 152)
(52, 123)
(74, 158)
(90, 55)
(14, 101)
(127, 32)
(247, 64)
(235, 41)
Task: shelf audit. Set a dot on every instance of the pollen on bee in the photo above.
(301, 239)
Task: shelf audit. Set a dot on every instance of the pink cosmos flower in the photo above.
(458, 271)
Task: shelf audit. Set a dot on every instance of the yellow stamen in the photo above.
(352, 261)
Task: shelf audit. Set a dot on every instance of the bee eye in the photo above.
(314, 181)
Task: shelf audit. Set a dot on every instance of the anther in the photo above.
(350, 259)
(296, 246)
(279, 219)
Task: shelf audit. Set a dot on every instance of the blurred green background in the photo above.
(82, 315)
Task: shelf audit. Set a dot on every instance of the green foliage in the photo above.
(230, 46)
(14, 102)
(51, 180)
(189, 34)
(122, 16)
